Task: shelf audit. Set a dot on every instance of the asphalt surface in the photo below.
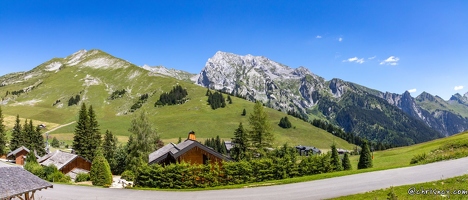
(320, 189)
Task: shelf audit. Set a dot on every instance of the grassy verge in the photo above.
(452, 188)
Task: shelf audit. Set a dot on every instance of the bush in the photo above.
(128, 175)
(418, 158)
(100, 173)
(59, 177)
(35, 169)
(82, 177)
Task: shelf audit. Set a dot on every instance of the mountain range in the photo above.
(397, 119)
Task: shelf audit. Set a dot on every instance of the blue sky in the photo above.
(386, 45)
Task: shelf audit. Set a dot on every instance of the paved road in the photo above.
(320, 189)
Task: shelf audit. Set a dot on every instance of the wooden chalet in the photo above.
(19, 155)
(16, 182)
(68, 163)
(189, 151)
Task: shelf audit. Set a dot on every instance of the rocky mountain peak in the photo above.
(424, 96)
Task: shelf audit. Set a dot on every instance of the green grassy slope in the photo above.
(171, 122)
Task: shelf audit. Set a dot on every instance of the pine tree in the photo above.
(27, 135)
(81, 137)
(3, 137)
(95, 135)
(229, 99)
(36, 139)
(109, 149)
(260, 134)
(144, 140)
(335, 159)
(17, 137)
(365, 158)
(180, 140)
(346, 162)
(100, 173)
(244, 112)
(239, 151)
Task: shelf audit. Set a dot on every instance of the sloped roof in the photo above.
(17, 181)
(177, 150)
(57, 158)
(17, 151)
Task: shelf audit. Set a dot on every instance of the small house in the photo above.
(342, 151)
(19, 155)
(306, 151)
(68, 163)
(189, 151)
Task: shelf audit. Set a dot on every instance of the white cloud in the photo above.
(412, 90)
(340, 39)
(355, 59)
(392, 60)
(372, 58)
(318, 36)
(460, 87)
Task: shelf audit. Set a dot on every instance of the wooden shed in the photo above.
(189, 151)
(65, 162)
(19, 155)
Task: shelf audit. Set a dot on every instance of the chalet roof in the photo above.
(57, 158)
(17, 181)
(16, 151)
(177, 150)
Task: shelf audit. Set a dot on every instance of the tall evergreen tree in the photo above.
(346, 162)
(81, 136)
(95, 135)
(17, 137)
(3, 137)
(260, 134)
(144, 140)
(109, 147)
(239, 151)
(365, 158)
(335, 159)
(244, 112)
(27, 135)
(229, 99)
(36, 141)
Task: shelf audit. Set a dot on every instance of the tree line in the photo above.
(143, 98)
(216, 144)
(117, 94)
(176, 96)
(349, 137)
